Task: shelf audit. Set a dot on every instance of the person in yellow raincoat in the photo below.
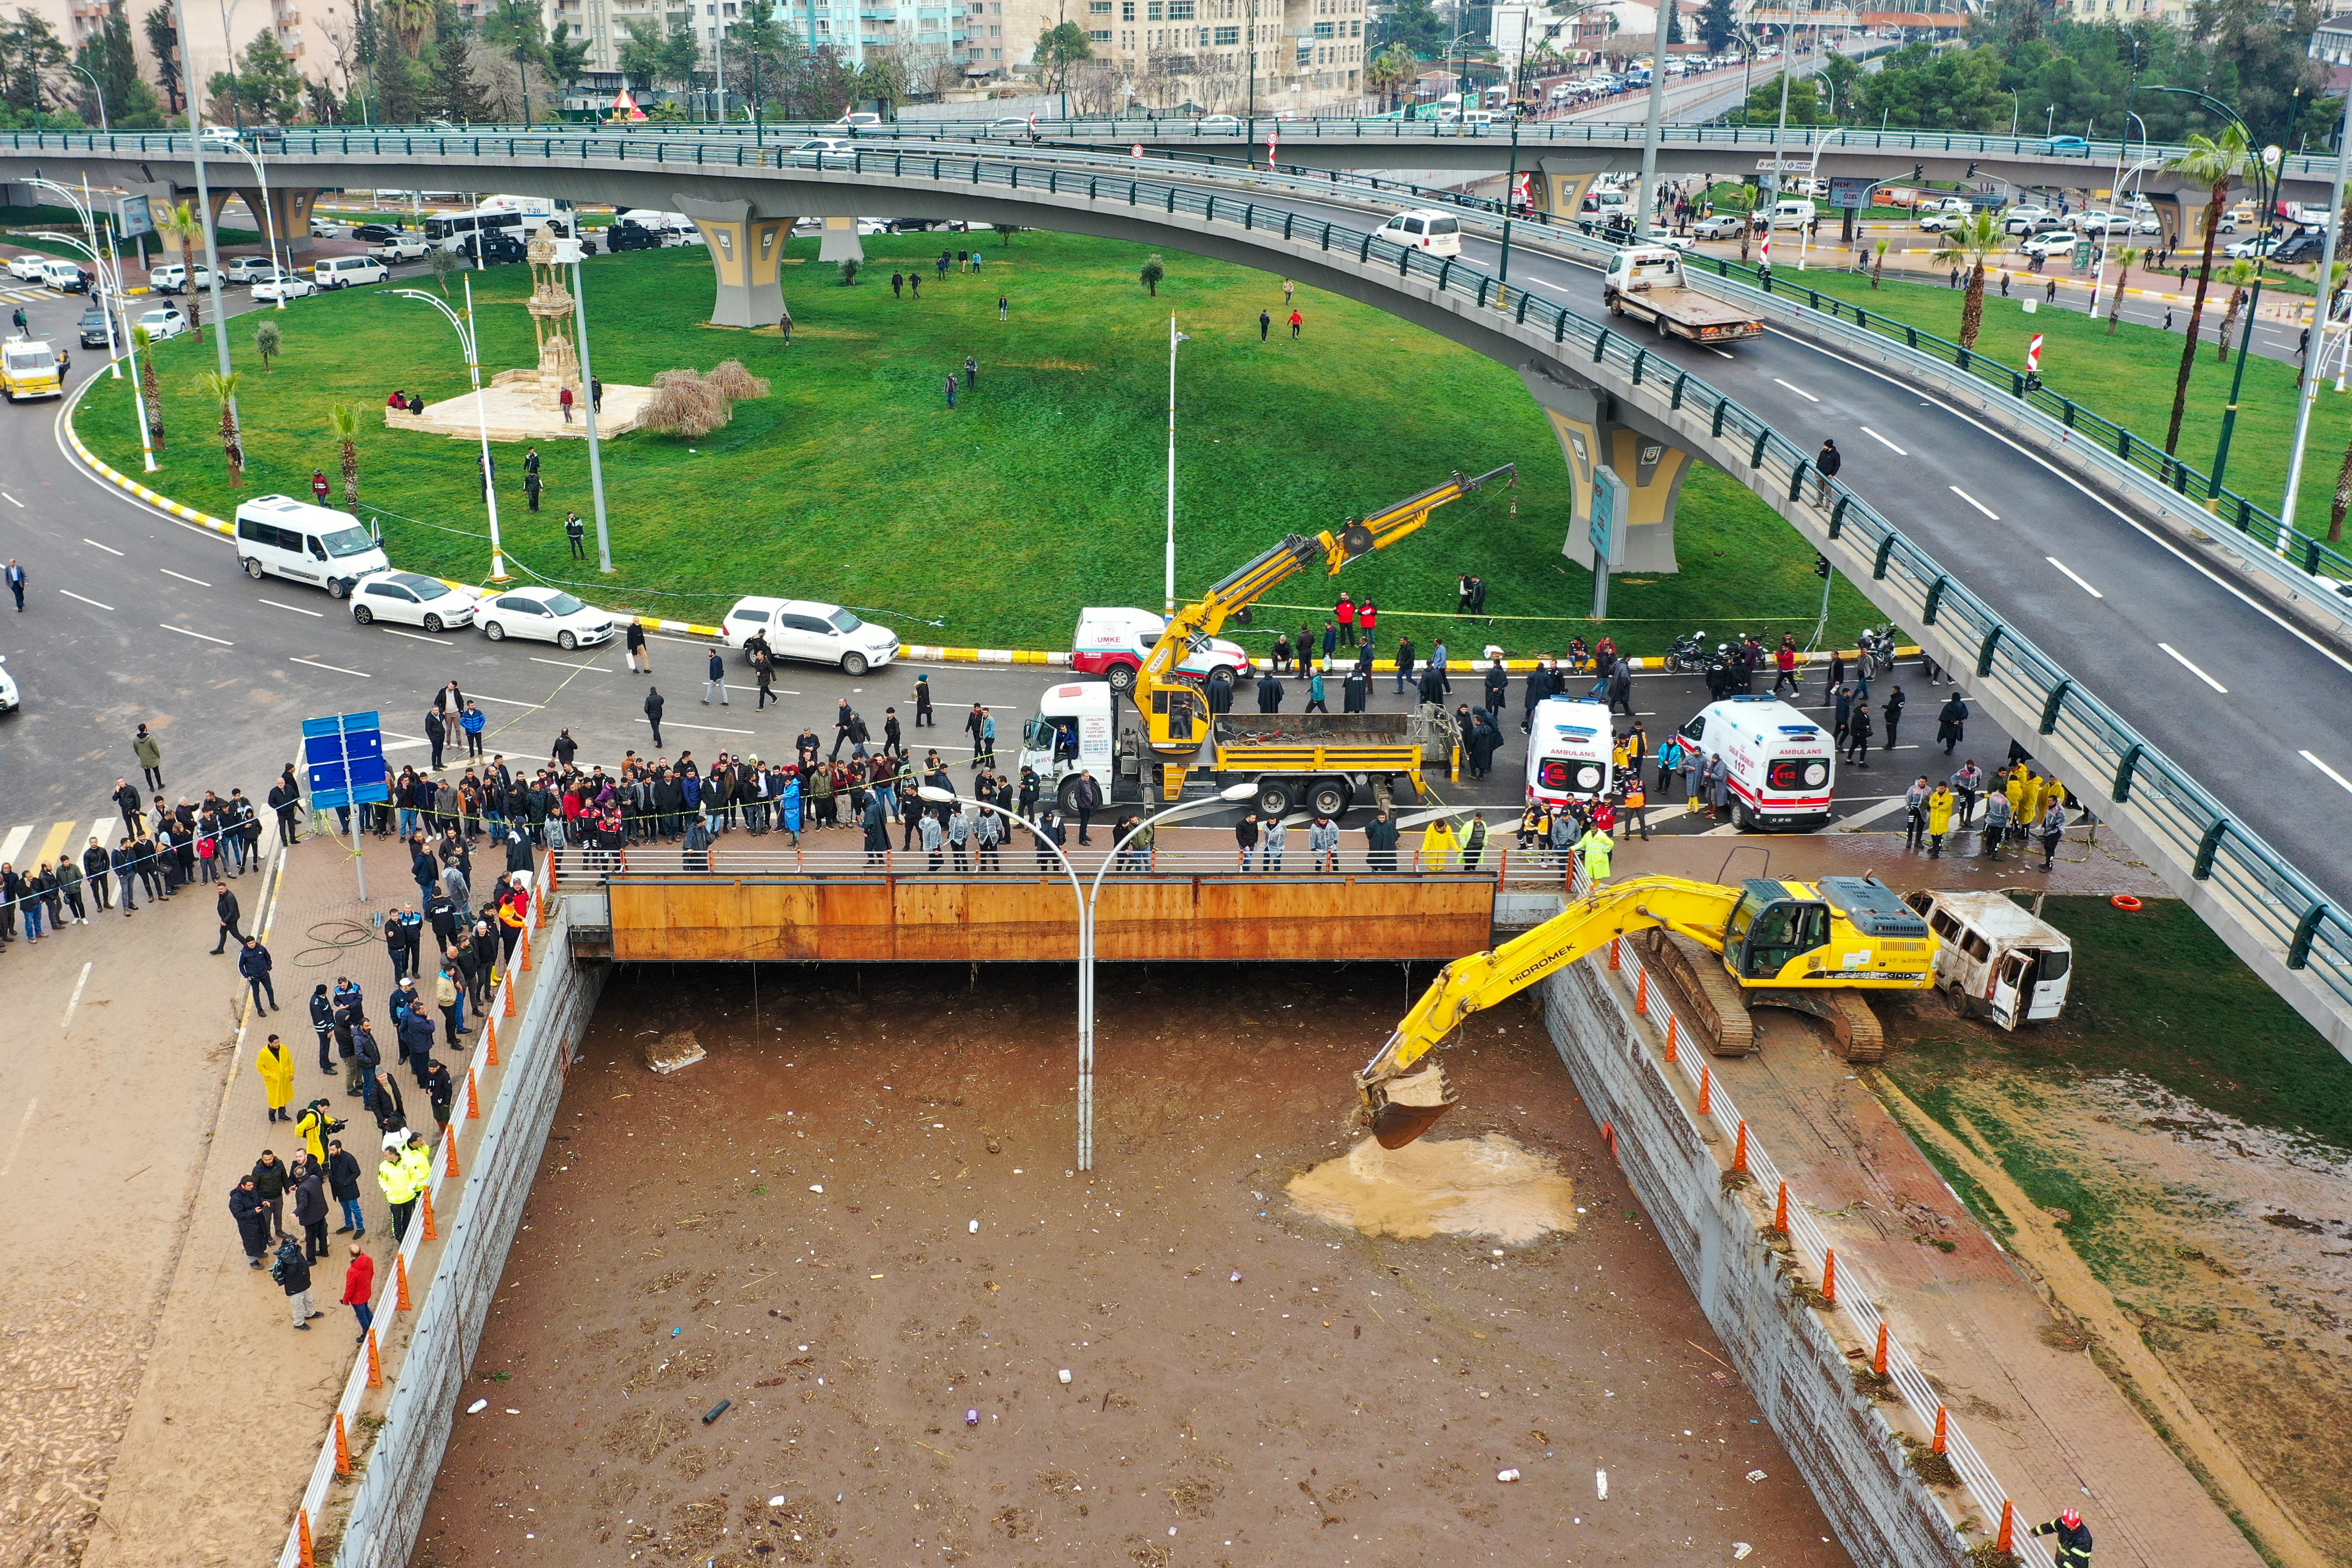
(1439, 847)
(2023, 794)
(276, 1066)
(1939, 820)
(1596, 847)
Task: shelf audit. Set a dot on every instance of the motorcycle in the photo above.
(1878, 648)
(1687, 654)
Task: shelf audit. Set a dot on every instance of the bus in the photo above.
(517, 216)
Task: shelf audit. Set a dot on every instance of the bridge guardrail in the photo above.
(2269, 895)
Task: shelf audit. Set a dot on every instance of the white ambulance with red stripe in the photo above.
(1782, 766)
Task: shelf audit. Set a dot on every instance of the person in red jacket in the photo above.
(358, 1287)
(1344, 612)
(1786, 661)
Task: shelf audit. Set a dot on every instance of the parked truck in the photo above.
(1646, 283)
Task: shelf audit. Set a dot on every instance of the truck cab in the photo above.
(1075, 731)
(1112, 643)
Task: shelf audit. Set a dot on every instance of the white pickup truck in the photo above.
(1646, 283)
(402, 247)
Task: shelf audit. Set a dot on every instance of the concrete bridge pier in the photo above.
(1587, 421)
(287, 214)
(746, 250)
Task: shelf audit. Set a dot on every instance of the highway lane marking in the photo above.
(94, 544)
(2331, 773)
(338, 668)
(25, 1121)
(1719, 354)
(567, 664)
(186, 633)
(69, 593)
(414, 636)
(2182, 660)
(314, 615)
(2077, 581)
(74, 1001)
(183, 577)
(12, 500)
(1798, 390)
(1974, 502)
(1884, 442)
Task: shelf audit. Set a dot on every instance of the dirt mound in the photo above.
(1492, 1187)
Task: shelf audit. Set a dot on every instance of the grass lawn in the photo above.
(992, 525)
(2129, 378)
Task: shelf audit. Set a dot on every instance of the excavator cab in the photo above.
(1770, 929)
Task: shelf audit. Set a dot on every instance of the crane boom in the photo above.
(1166, 702)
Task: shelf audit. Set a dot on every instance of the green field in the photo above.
(2129, 377)
(992, 525)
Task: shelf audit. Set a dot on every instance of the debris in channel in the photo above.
(1491, 1186)
(673, 1051)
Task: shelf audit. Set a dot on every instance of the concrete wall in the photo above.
(1804, 1383)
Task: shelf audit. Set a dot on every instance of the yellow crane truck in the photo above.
(1815, 947)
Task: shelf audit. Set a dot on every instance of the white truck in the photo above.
(1646, 283)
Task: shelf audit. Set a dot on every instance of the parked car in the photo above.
(2021, 220)
(330, 229)
(2056, 242)
(64, 277)
(2247, 250)
(285, 286)
(347, 272)
(25, 267)
(377, 233)
(1722, 226)
(161, 324)
(10, 700)
(544, 615)
(413, 599)
(808, 630)
(93, 326)
(174, 278)
(399, 246)
(1942, 223)
(250, 269)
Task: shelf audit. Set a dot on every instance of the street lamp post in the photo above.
(1174, 338)
(577, 248)
(463, 324)
(96, 91)
(1087, 900)
(2322, 314)
(269, 214)
(204, 205)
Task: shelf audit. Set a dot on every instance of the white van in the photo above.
(277, 536)
(1783, 766)
(343, 271)
(1993, 955)
(1570, 743)
(1795, 212)
(1425, 229)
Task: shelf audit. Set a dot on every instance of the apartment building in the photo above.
(1226, 55)
(304, 29)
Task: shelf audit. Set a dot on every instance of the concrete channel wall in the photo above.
(1848, 1455)
(387, 1509)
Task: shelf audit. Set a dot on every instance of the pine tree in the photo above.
(1714, 25)
(454, 93)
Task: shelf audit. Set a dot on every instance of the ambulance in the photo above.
(1569, 745)
(1782, 765)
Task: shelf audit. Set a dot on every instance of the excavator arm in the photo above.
(1164, 699)
(1401, 1108)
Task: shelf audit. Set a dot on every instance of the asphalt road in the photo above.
(151, 614)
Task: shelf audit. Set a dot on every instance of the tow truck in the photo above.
(1646, 283)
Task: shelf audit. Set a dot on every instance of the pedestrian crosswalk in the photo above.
(26, 296)
(27, 845)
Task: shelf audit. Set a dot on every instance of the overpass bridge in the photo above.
(2074, 618)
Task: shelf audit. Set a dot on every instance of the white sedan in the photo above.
(286, 285)
(544, 615)
(27, 268)
(2247, 250)
(164, 324)
(9, 697)
(413, 599)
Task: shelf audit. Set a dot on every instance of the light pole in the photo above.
(1642, 216)
(205, 203)
(96, 91)
(1174, 338)
(2322, 314)
(269, 215)
(573, 249)
(464, 327)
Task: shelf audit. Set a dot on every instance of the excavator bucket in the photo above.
(1403, 1108)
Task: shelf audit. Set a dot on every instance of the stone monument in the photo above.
(550, 323)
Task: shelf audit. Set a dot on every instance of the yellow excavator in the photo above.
(1814, 947)
(1171, 706)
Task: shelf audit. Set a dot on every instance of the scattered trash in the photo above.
(769, 1382)
(675, 1332)
(1235, 1278)
(1064, 1374)
(672, 1052)
(477, 1407)
(1506, 1475)
(777, 1500)
(971, 1417)
(1601, 1484)
(1755, 1475)
(975, 1227)
(816, 1188)
(514, 1412)
(1740, 1549)
(716, 1410)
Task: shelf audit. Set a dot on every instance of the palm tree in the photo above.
(411, 21)
(1152, 273)
(345, 421)
(223, 389)
(181, 225)
(1390, 71)
(2212, 162)
(1978, 236)
(2126, 255)
(2237, 275)
(149, 393)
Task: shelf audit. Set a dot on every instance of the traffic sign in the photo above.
(344, 756)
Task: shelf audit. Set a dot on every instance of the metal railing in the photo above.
(2271, 897)
(772, 856)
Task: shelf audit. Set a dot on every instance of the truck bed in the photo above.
(1244, 729)
(1689, 307)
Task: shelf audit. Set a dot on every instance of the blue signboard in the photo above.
(344, 757)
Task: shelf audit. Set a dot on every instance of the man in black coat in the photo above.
(1269, 694)
(252, 1216)
(344, 1185)
(1498, 684)
(226, 907)
(654, 713)
(311, 1211)
(291, 1270)
(1380, 841)
(270, 1181)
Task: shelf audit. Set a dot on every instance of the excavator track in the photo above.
(1707, 999)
